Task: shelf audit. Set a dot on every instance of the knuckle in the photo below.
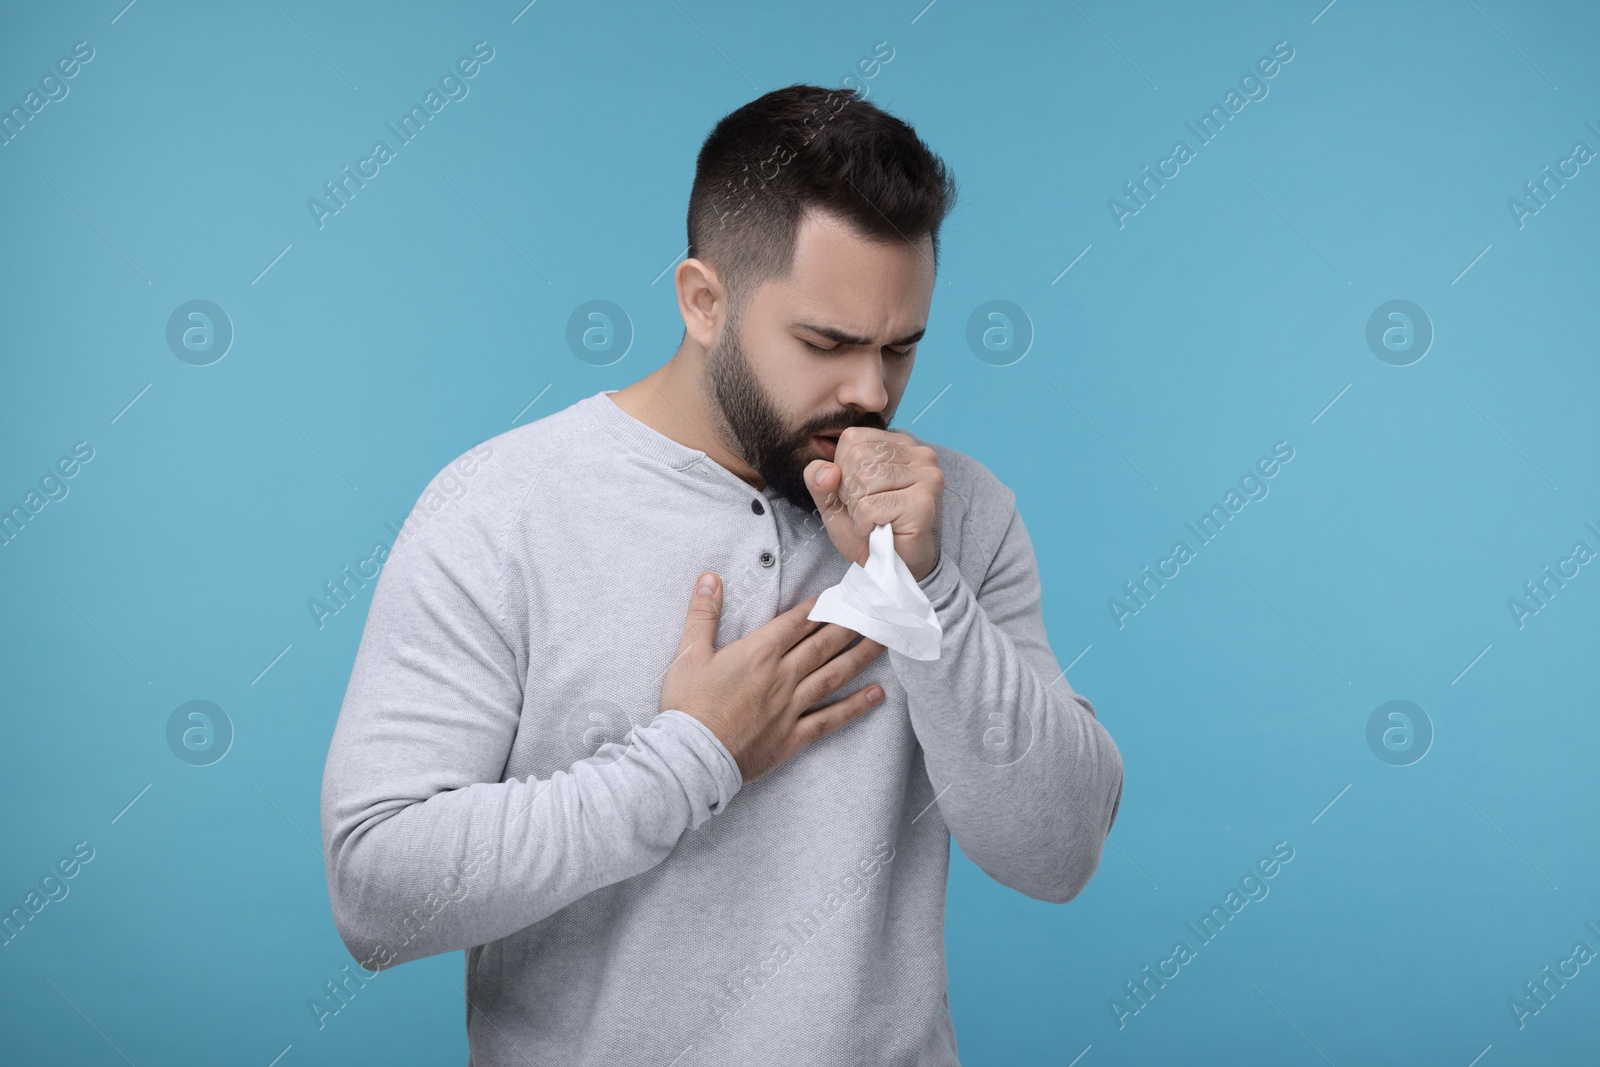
(829, 681)
(814, 689)
(865, 655)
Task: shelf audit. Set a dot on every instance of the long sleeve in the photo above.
(427, 849)
(1026, 778)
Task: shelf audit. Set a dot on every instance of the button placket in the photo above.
(765, 506)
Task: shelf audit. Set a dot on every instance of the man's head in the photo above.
(813, 224)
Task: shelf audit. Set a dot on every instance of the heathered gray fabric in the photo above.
(500, 779)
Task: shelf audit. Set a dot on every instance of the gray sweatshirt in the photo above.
(501, 779)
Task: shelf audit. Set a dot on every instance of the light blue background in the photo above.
(1229, 314)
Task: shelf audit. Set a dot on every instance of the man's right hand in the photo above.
(753, 693)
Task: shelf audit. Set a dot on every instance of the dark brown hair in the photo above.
(804, 148)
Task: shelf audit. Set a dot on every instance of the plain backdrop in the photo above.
(1141, 365)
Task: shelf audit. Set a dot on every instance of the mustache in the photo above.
(871, 424)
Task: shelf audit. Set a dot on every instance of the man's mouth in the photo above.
(827, 443)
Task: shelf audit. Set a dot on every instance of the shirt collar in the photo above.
(657, 446)
(641, 438)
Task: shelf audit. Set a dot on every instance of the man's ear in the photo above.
(702, 300)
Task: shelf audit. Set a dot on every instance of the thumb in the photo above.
(705, 609)
(826, 482)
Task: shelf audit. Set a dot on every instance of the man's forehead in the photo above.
(845, 281)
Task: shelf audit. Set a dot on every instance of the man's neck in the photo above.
(671, 401)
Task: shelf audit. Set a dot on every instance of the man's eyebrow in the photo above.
(843, 337)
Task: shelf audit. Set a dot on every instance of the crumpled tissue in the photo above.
(882, 601)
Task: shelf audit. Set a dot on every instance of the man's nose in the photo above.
(864, 389)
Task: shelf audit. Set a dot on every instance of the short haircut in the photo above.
(803, 148)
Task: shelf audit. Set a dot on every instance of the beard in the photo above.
(755, 428)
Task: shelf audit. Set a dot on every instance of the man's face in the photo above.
(866, 303)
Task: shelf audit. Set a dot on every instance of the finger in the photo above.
(864, 447)
(705, 610)
(826, 678)
(907, 509)
(876, 475)
(876, 509)
(879, 463)
(823, 721)
(791, 627)
(815, 650)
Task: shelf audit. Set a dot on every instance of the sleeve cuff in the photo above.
(722, 776)
(937, 584)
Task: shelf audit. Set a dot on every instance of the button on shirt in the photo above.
(502, 778)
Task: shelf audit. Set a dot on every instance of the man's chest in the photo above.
(605, 626)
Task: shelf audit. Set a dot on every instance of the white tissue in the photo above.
(882, 601)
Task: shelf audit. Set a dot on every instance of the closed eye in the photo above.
(818, 348)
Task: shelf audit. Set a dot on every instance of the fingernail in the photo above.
(874, 695)
(707, 586)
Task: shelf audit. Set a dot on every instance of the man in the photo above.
(665, 817)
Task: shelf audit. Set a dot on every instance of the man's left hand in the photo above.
(876, 477)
